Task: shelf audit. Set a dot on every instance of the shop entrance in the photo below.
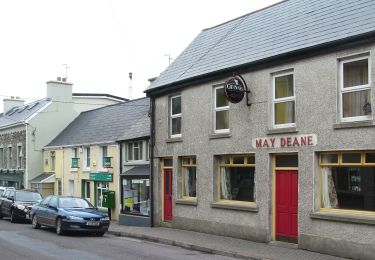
(168, 173)
(286, 198)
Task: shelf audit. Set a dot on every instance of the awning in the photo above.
(137, 171)
(44, 178)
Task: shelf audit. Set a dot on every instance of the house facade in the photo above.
(90, 154)
(264, 129)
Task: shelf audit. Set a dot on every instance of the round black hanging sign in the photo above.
(234, 89)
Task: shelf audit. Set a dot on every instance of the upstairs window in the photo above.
(175, 116)
(1, 157)
(53, 160)
(75, 159)
(10, 158)
(355, 90)
(283, 101)
(19, 156)
(221, 116)
(87, 157)
(104, 151)
(134, 151)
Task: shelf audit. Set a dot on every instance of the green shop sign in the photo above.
(101, 176)
(107, 162)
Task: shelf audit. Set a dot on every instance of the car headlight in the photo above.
(105, 219)
(74, 218)
(21, 207)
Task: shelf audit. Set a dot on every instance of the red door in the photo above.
(168, 194)
(287, 206)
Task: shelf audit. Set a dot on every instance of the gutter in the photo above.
(266, 62)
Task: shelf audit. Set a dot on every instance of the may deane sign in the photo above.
(285, 141)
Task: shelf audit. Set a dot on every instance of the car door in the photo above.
(7, 203)
(51, 212)
(40, 210)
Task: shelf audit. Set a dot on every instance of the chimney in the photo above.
(11, 102)
(59, 90)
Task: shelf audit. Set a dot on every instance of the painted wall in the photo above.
(83, 174)
(316, 90)
(82, 104)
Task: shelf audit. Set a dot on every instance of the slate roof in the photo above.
(41, 177)
(282, 29)
(21, 113)
(138, 171)
(106, 124)
(139, 129)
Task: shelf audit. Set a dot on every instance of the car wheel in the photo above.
(13, 217)
(59, 229)
(34, 222)
(100, 234)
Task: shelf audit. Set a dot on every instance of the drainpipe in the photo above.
(25, 175)
(120, 177)
(152, 142)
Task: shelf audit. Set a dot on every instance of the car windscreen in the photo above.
(74, 203)
(28, 196)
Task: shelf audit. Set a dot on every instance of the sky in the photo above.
(101, 41)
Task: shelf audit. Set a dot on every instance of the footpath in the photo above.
(218, 245)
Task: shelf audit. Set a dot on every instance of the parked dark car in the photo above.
(16, 204)
(69, 214)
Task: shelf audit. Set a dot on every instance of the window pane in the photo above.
(136, 153)
(284, 113)
(176, 105)
(168, 162)
(284, 86)
(140, 151)
(329, 158)
(221, 101)
(136, 196)
(290, 160)
(222, 120)
(357, 103)
(194, 162)
(186, 161)
(370, 158)
(237, 183)
(130, 151)
(176, 126)
(356, 73)
(351, 158)
(238, 160)
(348, 188)
(189, 185)
(251, 160)
(225, 160)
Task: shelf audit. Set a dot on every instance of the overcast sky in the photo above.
(101, 41)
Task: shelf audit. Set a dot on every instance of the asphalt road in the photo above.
(19, 241)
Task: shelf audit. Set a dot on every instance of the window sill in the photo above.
(252, 207)
(344, 217)
(282, 131)
(174, 140)
(343, 125)
(191, 202)
(132, 163)
(219, 135)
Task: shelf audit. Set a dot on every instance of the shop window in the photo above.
(283, 101)
(189, 177)
(136, 196)
(349, 185)
(221, 116)
(236, 178)
(100, 188)
(355, 89)
(175, 116)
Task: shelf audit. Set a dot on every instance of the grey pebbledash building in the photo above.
(294, 159)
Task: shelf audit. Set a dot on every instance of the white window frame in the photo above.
(141, 145)
(85, 161)
(171, 116)
(218, 109)
(102, 155)
(74, 155)
(283, 100)
(343, 90)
